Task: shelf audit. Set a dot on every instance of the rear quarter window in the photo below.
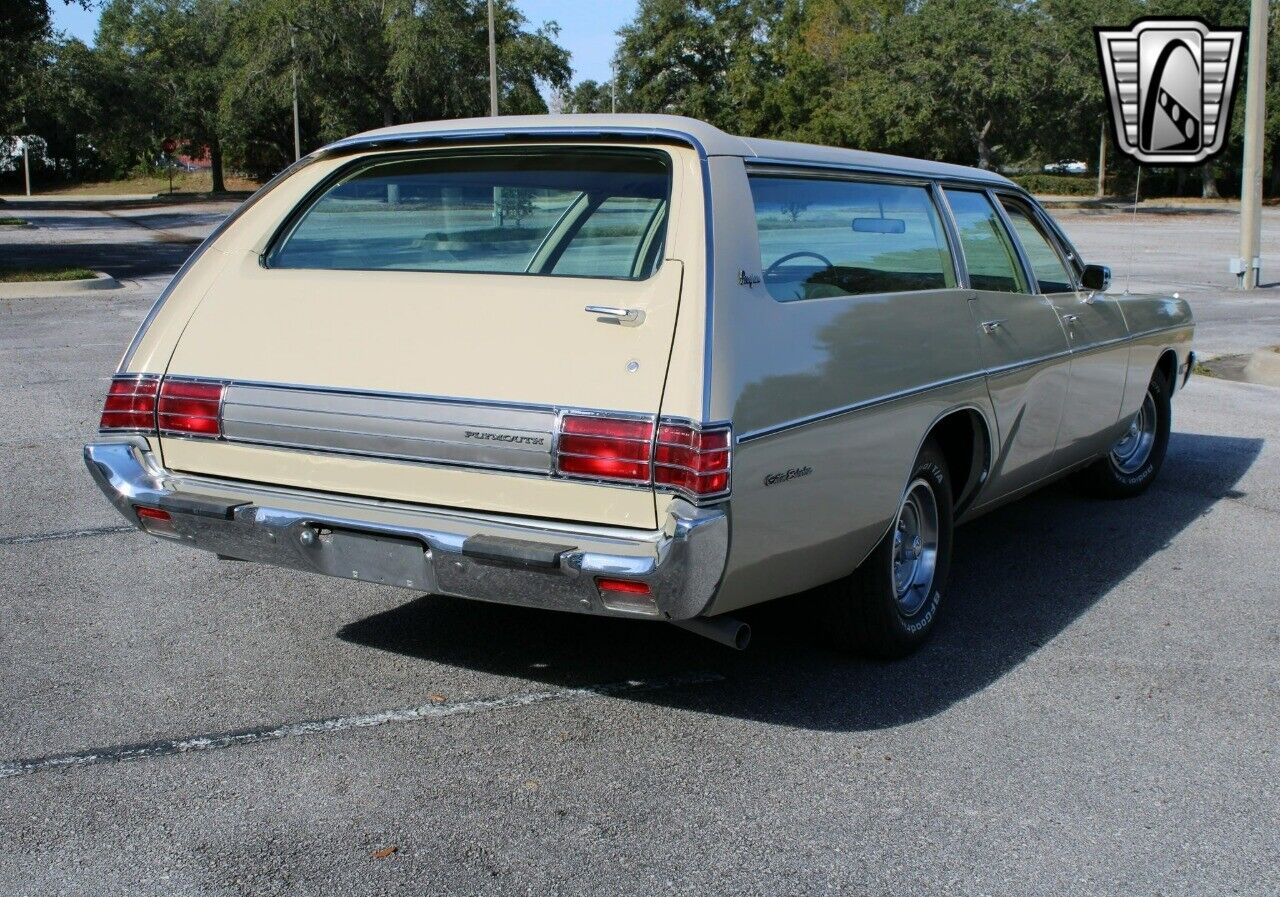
(545, 211)
(823, 237)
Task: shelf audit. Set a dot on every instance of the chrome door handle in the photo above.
(993, 326)
(1070, 319)
(627, 317)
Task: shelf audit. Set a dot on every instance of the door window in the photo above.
(822, 238)
(988, 251)
(1046, 263)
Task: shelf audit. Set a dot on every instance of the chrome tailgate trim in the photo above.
(390, 426)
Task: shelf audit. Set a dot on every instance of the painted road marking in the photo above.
(217, 740)
(66, 534)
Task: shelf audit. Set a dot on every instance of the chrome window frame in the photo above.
(782, 169)
(987, 192)
(1049, 233)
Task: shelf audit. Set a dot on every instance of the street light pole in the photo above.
(297, 130)
(26, 160)
(493, 66)
(1255, 104)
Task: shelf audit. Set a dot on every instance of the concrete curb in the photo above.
(36, 289)
(1263, 367)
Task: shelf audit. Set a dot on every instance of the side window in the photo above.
(988, 252)
(823, 237)
(1045, 261)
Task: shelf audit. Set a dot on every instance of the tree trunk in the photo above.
(215, 162)
(1208, 186)
(984, 149)
(1275, 170)
(1102, 163)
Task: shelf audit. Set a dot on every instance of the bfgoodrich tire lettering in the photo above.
(1135, 460)
(888, 606)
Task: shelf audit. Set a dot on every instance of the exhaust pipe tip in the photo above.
(728, 631)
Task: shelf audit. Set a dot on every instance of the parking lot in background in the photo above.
(1096, 714)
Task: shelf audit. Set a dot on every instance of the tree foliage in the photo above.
(1006, 83)
(986, 82)
(218, 74)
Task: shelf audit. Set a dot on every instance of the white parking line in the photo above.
(66, 534)
(218, 740)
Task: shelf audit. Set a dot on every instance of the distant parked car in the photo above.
(1066, 166)
(697, 373)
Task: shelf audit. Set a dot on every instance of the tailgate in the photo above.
(441, 384)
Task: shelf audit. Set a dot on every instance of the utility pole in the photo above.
(1255, 105)
(1102, 162)
(297, 130)
(493, 66)
(26, 160)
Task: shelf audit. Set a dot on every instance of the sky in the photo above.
(586, 28)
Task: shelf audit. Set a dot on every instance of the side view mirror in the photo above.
(1096, 277)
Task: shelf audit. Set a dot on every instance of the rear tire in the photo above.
(1135, 460)
(887, 607)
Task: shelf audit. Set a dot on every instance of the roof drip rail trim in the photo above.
(427, 138)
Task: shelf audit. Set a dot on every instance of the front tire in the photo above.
(1133, 463)
(887, 607)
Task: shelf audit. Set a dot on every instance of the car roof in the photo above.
(707, 138)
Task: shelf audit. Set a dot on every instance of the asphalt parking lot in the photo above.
(1096, 715)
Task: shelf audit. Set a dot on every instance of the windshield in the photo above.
(553, 211)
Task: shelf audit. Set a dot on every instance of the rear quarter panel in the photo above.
(783, 372)
(1156, 325)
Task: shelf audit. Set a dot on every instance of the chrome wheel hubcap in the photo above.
(915, 547)
(1134, 447)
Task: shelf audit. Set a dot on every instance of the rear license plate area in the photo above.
(372, 557)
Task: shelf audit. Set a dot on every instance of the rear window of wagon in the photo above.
(552, 211)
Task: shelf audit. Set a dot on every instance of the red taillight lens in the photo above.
(606, 447)
(695, 461)
(130, 404)
(190, 408)
(625, 586)
(681, 457)
(152, 513)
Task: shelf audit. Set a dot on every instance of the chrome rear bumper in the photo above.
(536, 563)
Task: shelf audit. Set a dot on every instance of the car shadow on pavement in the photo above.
(1020, 576)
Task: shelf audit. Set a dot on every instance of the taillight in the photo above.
(609, 448)
(692, 461)
(130, 404)
(190, 408)
(678, 456)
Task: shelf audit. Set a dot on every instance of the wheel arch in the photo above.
(1167, 367)
(964, 436)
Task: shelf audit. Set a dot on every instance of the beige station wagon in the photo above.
(634, 366)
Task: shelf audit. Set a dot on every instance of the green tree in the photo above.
(588, 96)
(369, 63)
(178, 49)
(689, 57)
(24, 26)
